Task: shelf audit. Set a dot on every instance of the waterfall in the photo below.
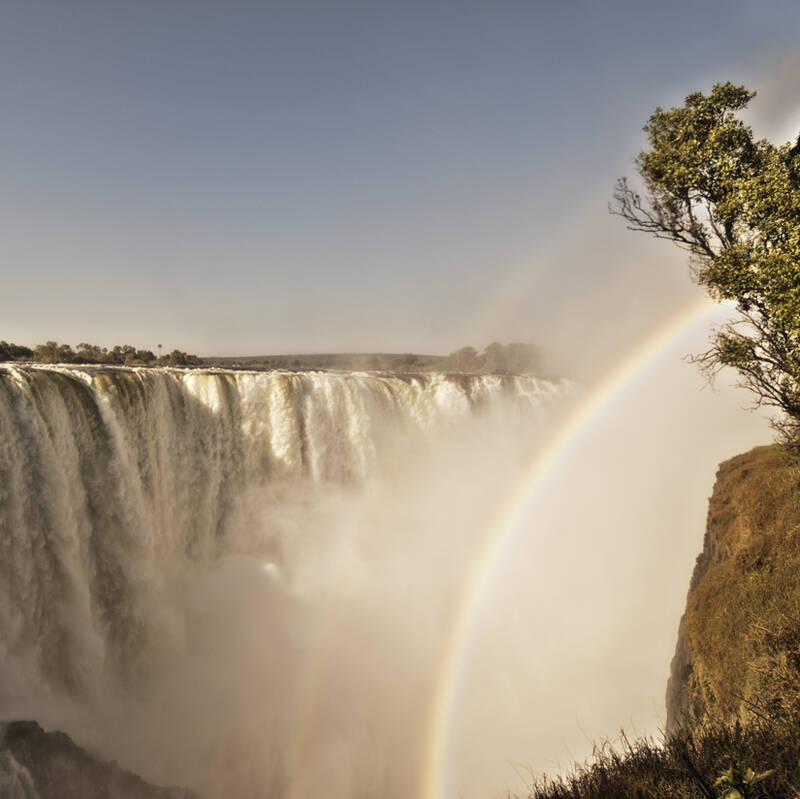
(122, 489)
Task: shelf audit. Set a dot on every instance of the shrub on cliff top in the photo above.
(733, 202)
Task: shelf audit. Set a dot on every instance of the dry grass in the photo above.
(689, 765)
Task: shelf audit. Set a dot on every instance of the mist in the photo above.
(293, 646)
(579, 621)
(304, 652)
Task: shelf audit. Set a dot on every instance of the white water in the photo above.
(15, 780)
(237, 581)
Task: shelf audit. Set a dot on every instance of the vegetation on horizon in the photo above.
(496, 358)
(125, 354)
(733, 202)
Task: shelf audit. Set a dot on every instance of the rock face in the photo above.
(684, 697)
(738, 646)
(35, 764)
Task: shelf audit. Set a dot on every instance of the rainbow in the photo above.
(452, 666)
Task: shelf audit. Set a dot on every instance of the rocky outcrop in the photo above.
(738, 645)
(35, 764)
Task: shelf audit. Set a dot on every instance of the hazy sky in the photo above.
(243, 177)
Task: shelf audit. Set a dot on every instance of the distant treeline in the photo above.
(124, 354)
(337, 361)
(497, 358)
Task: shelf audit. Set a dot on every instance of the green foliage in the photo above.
(734, 203)
(737, 783)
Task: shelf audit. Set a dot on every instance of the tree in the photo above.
(733, 202)
(465, 359)
(513, 358)
(47, 353)
(494, 358)
(90, 353)
(144, 356)
(14, 352)
(407, 361)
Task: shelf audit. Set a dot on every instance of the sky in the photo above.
(274, 177)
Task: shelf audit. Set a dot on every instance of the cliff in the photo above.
(35, 764)
(733, 697)
(738, 650)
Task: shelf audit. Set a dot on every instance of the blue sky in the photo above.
(241, 177)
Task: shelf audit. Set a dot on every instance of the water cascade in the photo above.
(222, 575)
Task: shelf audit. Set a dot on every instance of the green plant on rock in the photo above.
(737, 783)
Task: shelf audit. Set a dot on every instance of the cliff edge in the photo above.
(738, 649)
